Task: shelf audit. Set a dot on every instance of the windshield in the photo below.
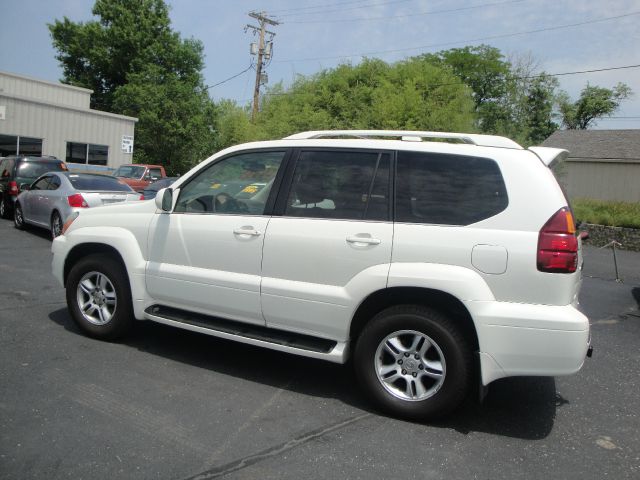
(97, 183)
(129, 171)
(35, 169)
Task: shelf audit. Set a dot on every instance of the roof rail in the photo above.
(410, 135)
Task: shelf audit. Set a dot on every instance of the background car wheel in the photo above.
(4, 208)
(99, 297)
(18, 217)
(414, 362)
(56, 225)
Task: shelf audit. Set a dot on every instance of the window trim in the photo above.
(277, 181)
(283, 194)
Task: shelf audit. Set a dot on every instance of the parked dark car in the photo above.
(151, 190)
(18, 170)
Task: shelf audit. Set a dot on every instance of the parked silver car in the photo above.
(54, 196)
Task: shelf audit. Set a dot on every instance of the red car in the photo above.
(139, 176)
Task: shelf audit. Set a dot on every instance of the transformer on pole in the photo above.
(264, 51)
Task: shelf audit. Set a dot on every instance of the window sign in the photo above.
(127, 143)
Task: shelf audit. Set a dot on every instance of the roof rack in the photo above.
(409, 136)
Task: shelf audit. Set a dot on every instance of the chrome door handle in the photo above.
(365, 240)
(247, 231)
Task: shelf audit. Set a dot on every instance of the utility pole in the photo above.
(264, 51)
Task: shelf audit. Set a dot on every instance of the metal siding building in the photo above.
(59, 116)
(602, 164)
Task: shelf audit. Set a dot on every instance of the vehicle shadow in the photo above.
(522, 407)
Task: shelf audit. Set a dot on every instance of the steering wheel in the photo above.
(225, 203)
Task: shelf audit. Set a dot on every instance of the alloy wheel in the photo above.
(96, 297)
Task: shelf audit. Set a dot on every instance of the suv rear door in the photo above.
(332, 235)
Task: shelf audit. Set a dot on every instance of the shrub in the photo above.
(613, 214)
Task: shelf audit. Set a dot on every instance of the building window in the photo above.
(8, 145)
(30, 146)
(16, 145)
(98, 154)
(87, 153)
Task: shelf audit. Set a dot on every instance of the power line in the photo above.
(430, 12)
(577, 72)
(375, 4)
(230, 78)
(492, 37)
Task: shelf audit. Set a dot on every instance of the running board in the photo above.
(281, 340)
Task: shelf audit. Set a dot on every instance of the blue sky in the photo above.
(316, 35)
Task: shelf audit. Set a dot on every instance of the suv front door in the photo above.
(331, 240)
(206, 254)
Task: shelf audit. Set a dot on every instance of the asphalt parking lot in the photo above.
(172, 404)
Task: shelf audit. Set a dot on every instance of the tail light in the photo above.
(77, 201)
(558, 244)
(69, 221)
(13, 188)
(142, 197)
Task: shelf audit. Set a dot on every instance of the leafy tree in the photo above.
(486, 72)
(594, 103)
(136, 65)
(412, 94)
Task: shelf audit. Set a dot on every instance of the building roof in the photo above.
(598, 144)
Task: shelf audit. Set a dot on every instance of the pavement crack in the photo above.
(249, 460)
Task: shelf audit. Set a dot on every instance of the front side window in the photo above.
(155, 173)
(41, 184)
(444, 189)
(231, 185)
(54, 183)
(340, 185)
(129, 171)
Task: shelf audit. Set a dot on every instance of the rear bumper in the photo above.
(538, 340)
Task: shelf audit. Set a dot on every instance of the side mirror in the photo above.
(164, 199)
(24, 187)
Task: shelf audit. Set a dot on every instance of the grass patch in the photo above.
(612, 214)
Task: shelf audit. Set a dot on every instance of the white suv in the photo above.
(432, 260)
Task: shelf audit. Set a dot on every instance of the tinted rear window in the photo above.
(32, 169)
(448, 189)
(97, 183)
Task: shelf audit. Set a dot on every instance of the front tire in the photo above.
(18, 217)
(414, 362)
(99, 297)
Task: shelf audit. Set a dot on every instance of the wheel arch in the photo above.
(83, 250)
(442, 301)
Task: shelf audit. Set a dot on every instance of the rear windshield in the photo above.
(129, 171)
(35, 169)
(97, 183)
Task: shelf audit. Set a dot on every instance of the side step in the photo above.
(275, 339)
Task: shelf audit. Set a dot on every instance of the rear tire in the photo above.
(56, 225)
(18, 217)
(99, 297)
(414, 362)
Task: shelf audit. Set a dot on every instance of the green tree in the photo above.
(412, 94)
(594, 103)
(136, 65)
(509, 99)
